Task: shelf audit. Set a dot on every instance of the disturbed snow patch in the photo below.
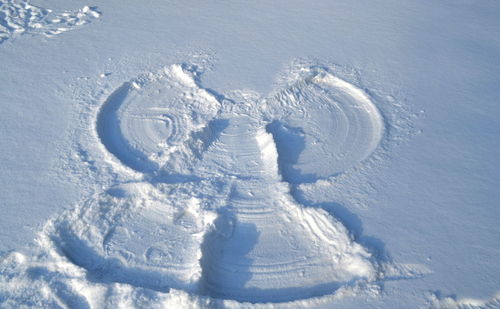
(133, 234)
(437, 301)
(19, 16)
(213, 213)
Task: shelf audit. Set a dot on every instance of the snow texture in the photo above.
(20, 17)
(214, 214)
(195, 196)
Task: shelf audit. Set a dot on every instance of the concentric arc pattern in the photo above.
(223, 173)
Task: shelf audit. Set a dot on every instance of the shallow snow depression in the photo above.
(213, 211)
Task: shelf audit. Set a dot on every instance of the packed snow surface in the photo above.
(193, 196)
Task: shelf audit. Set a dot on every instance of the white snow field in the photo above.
(209, 154)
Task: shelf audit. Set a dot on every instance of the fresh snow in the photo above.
(249, 155)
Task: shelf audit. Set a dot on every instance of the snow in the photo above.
(249, 155)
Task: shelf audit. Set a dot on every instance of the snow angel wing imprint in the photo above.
(323, 125)
(143, 122)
